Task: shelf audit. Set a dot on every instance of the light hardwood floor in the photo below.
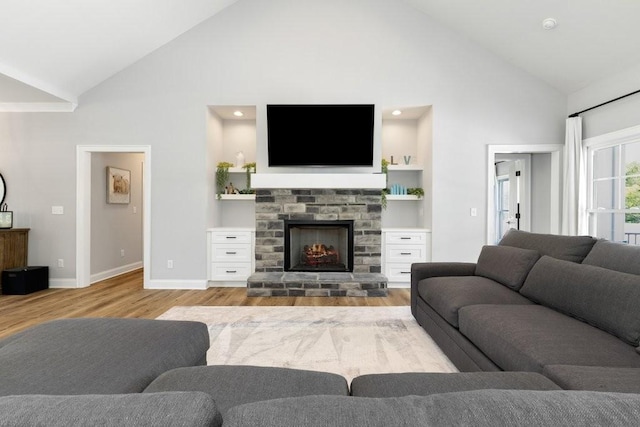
(124, 296)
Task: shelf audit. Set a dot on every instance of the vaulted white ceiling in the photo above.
(51, 51)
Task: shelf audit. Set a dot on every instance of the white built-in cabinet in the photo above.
(407, 138)
(230, 255)
(401, 247)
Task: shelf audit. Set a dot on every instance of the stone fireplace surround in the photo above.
(274, 205)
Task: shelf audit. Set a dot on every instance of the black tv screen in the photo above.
(320, 134)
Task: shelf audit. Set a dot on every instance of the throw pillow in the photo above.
(569, 248)
(506, 265)
(606, 299)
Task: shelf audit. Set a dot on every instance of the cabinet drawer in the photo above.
(228, 271)
(225, 253)
(218, 237)
(399, 272)
(400, 253)
(414, 238)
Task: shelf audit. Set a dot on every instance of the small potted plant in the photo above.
(222, 176)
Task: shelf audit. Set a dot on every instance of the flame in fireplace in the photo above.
(319, 253)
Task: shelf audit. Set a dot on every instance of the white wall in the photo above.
(615, 116)
(256, 52)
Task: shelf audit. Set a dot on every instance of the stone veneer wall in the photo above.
(273, 206)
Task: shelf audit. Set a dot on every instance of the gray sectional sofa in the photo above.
(563, 306)
(137, 372)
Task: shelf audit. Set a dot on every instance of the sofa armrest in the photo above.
(424, 270)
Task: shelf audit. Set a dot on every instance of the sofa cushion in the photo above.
(232, 385)
(596, 378)
(615, 256)
(446, 295)
(117, 410)
(425, 383)
(529, 337)
(468, 408)
(98, 355)
(604, 298)
(505, 264)
(569, 248)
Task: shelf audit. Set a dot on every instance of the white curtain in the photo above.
(574, 195)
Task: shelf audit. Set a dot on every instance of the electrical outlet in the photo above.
(121, 252)
(57, 210)
(170, 263)
(60, 263)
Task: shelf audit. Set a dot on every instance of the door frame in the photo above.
(555, 150)
(83, 208)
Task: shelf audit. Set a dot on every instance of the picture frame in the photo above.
(118, 185)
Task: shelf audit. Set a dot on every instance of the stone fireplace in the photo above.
(324, 217)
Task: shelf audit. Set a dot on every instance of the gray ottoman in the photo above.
(232, 385)
(424, 384)
(98, 355)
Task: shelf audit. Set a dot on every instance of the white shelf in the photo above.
(237, 197)
(402, 197)
(399, 167)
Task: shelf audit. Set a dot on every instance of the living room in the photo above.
(154, 117)
(246, 55)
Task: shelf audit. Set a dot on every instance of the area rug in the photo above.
(349, 341)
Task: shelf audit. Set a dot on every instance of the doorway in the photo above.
(519, 191)
(83, 207)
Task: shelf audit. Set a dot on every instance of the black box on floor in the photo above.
(24, 280)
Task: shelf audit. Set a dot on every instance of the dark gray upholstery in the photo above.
(462, 352)
(568, 248)
(115, 410)
(97, 355)
(596, 378)
(604, 298)
(469, 408)
(529, 337)
(446, 295)
(505, 264)
(615, 256)
(233, 385)
(423, 270)
(425, 383)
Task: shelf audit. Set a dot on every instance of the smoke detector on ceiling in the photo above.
(549, 24)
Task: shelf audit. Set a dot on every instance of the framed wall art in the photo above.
(118, 185)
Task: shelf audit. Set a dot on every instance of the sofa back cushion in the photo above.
(606, 299)
(569, 248)
(506, 265)
(615, 256)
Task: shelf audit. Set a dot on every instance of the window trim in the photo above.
(591, 145)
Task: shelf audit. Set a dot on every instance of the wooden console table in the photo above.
(14, 247)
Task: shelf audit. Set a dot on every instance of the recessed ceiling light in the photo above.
(238, 113)
(396, 112)
(549, 24)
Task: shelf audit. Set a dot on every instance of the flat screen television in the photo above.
(320, 134)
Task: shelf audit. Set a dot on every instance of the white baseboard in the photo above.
(63, 283)
(399, 285)
(177, 284)
(98, 277)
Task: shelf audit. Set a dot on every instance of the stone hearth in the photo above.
(317, 284)
(273, 206)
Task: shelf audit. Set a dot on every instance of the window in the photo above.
(613, 167)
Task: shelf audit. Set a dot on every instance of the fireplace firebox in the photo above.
(318, 245)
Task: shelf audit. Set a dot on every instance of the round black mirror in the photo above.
(3, 189)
